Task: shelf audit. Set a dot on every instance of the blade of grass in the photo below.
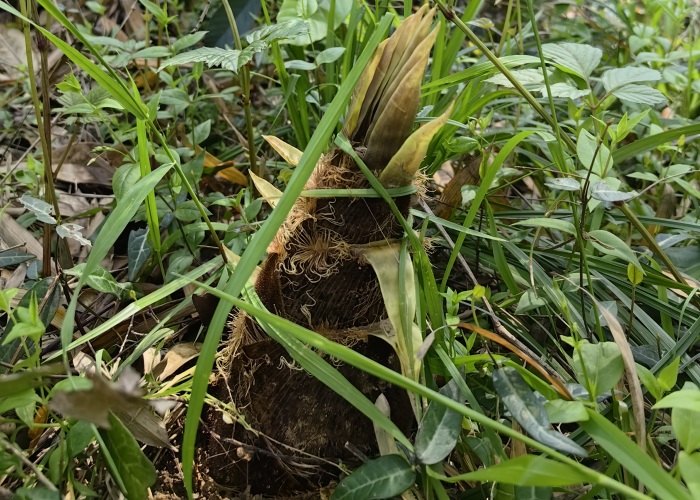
(479, 197)
(648, 143)
(151, 210)
(113, 227)
(623, 450)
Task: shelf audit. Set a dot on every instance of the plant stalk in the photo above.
(245, 87)
(450, 15)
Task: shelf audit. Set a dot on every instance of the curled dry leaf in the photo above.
(175, 358)
(123, 398)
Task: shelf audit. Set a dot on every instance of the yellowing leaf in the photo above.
(232, 174)
(290, 154)
(385, 262)
(269, 192)
(405, 163)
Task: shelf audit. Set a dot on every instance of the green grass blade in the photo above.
(648, 143)
(113, 227)
(486, 182)
(145, 164)
(622, 449)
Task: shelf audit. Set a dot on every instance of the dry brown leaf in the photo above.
(233, 175)
(13, 55)
(175, 358)
(451, 196)
(12, 234)
(108, 26)
(151, 358)
(123, 398)
(135, 21)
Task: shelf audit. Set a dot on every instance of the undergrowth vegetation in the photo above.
(542, 297)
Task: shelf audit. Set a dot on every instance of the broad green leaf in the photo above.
(36, 493)
(577, 58)
(73, 231)
(630, 456)
(549, 223)
(669, 375)
(603, 192)
(154, 52)
(685, 425)
(281, 32)
(187, 212)
(524, 76)
(100, 279)
(608, 243)
(39, 208)
(529, 301)
(80, 435)
(645, 176)
(564, 90)
(626, 125)
(13, 257)
(187, 41)
(529, 411)
(6, 297)
(16, 383)
(649, 381)
(563, 183)
(528, 470)
(24, 399)
(329, 55)
(598, 366)
(318, 20)
(124, 179)
(439, 429)
(593, 158)
(136, 471)
(616, 78)
(689, 465)
(58, 460)
(138, 251)
(641, 94)
(383, 477)
(230, 59)
(299, 65)
(560, 411)
(201, 132)
(634, 274)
